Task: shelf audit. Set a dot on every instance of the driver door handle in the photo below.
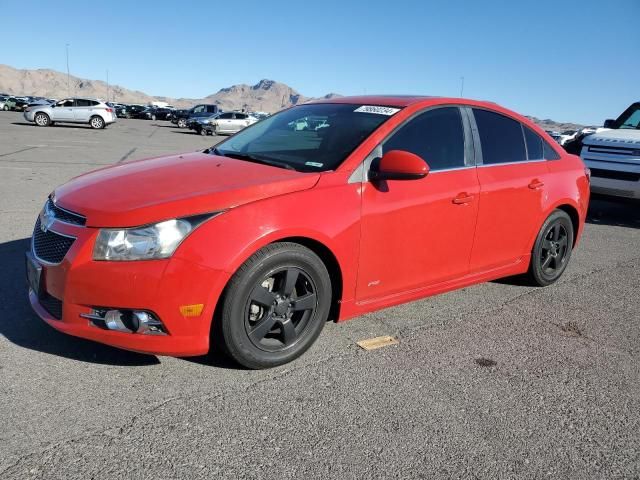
(536, 184)
(463, 198)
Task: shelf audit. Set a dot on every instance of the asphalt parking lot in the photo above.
(499, 380)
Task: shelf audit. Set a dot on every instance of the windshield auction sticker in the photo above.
(377, 109)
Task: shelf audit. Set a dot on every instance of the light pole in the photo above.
(461, 86)
(107, 84)
(68, 88)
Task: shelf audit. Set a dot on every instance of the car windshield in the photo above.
(310, 138)
(630, 119)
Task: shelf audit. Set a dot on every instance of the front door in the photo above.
(420, 232)
(63, 112)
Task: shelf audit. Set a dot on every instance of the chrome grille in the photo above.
(65, 215)
(49, 246)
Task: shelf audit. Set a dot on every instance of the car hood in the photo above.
(155, 189)
(626, 137)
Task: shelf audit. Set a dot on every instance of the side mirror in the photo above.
(609, 123)
(53, 105)
(399, 165)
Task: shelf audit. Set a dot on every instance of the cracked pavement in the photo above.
(561, 401)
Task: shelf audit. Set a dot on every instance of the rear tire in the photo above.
(42, 119)
(552, 249)
(97, 122)
(182, 123)
(5, 108)
(275, 306)
(203, 132)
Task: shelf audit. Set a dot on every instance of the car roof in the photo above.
(387, 100)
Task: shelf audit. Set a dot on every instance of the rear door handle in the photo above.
(536, 184)
(463, 198)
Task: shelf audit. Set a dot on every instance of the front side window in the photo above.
(312, 138)
(436, 136)
(630, 120)
(501, 138)
(66, 103)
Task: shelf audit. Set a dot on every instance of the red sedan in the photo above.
(323, 211)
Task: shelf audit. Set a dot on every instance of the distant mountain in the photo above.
(266, 95)
(552, 125)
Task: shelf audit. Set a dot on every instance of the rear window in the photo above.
(501, 138)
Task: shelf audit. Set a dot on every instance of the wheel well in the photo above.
(575, 219)
(330, 261)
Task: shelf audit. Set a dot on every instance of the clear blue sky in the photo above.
(569, 60)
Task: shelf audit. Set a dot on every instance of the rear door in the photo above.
(512, 189)
(82, 110)
(420, 232)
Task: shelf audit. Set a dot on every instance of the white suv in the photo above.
(72, 110)
(613, 155)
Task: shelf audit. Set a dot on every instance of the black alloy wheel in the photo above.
(279, 309)
(275, 306)
(552, 250)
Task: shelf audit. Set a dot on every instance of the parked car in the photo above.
(197, 123)
(133, 110)
(613, 155)
(567, 136)
(14, 103)
(180, 117)
(72, 110)
(3, 99)
(202, 110)
(226, 123)
(159, 113)
(274, 231)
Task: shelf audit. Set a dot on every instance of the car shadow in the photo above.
(21, 326)
(613, 211)
(57, 125)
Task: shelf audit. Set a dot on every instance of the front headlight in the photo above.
(145, 243)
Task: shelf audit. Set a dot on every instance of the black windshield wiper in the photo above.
(250, 158)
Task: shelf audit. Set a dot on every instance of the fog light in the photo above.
(127, 321)
(113, 319)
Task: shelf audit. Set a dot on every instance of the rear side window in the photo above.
(240, 116)
(500, 137)
(82, 103)
(534, 144)
(437, 136)
(548, 152)
(226, 116)
(93, 103)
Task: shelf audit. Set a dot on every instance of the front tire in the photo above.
(97, 122)
(6, 108)
(42, 119)
(552, 249)
(275, 306)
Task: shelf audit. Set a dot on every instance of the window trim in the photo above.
(360, 173)
(482, 164)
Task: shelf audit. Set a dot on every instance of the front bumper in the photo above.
(28, 116)
(161, 286)
(615, 178)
